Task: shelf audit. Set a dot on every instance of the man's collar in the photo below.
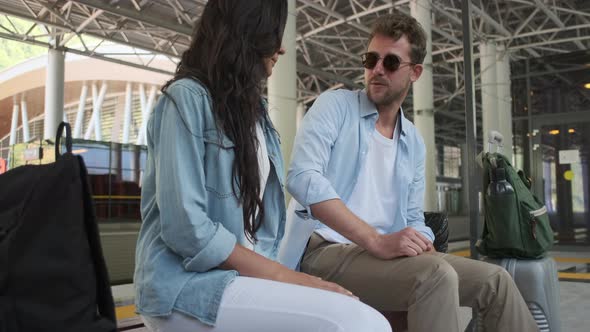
(368, 108)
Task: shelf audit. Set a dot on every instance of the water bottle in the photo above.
(498, 184)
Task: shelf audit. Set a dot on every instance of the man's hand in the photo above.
(407, 242)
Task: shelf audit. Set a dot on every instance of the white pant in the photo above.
(258, 305)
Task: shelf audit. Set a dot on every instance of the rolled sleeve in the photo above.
(319, 130)
(416, 196)
(186, 227)
(214, 253)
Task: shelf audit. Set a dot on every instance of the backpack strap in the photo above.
(60, 130)
(104, 295)
(525, 179)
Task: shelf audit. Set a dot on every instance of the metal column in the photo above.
(504, 99)
(14, 123)
(25, 119)
(146, 109)
(127, 112)
(95, 119)
(489, 91)
(470, 128)
(79, 125)
(282, 89)
(424, 104)
(54, 92)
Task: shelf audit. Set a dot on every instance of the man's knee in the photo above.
(447, 275)
(503, 278)
(438, 273)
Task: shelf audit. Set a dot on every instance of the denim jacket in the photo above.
(328, 155)
(191, 218)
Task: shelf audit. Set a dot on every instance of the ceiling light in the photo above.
(554, 132)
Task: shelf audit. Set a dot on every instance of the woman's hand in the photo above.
(250, 264)
(303, 279)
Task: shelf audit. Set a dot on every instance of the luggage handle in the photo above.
(60, 131)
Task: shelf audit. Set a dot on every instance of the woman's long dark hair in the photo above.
(226, 55)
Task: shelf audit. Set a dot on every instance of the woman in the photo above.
(212, 199)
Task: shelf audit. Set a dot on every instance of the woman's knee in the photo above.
(365, 318)
(353, 315)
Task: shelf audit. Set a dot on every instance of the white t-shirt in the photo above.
(263, 161)
(263, 165)
(374, 198)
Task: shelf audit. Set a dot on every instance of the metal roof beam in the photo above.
(139, 16)
(329, 76)
(555, 20)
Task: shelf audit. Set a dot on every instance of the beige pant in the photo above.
(431, 287)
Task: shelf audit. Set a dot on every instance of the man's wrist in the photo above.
(372, 241)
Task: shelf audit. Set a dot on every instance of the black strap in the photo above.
(60, 131)
(104, 296)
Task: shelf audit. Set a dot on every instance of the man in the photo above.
(358, 167)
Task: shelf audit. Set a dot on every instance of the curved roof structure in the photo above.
(27, 80)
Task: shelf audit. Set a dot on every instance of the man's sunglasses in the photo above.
(391, 62)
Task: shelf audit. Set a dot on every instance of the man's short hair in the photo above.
(396, 25)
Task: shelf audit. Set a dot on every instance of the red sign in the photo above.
(2, 165)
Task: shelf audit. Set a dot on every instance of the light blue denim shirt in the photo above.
(330, 149)
(191, 218)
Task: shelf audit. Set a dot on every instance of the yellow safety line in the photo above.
(124, 312)
(575, 276)
(572, 260)
(115, 197)
(462, 253)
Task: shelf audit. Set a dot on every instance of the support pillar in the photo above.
(118, 119)
(489, 91)
(127, 112)
(95, 119)
(79, 125)
(504, 100)
(14, 123)
(54, 92)
(424, 104)
(146, 109)
(300, 114)
(25, 119)
(585, 159)
(464, 206)
(282, 89)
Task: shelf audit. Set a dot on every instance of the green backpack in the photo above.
(516, 222)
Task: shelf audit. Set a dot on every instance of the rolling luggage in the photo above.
(539, 286)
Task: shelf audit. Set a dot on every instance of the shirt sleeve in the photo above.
(179, 151)
(416, 195)
(311, 152)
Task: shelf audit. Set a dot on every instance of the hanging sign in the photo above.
(569, 157)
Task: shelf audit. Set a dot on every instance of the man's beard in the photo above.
(389, 97)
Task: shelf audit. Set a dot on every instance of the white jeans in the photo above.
(258, 305)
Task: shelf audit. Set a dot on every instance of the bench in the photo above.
(133, 324)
